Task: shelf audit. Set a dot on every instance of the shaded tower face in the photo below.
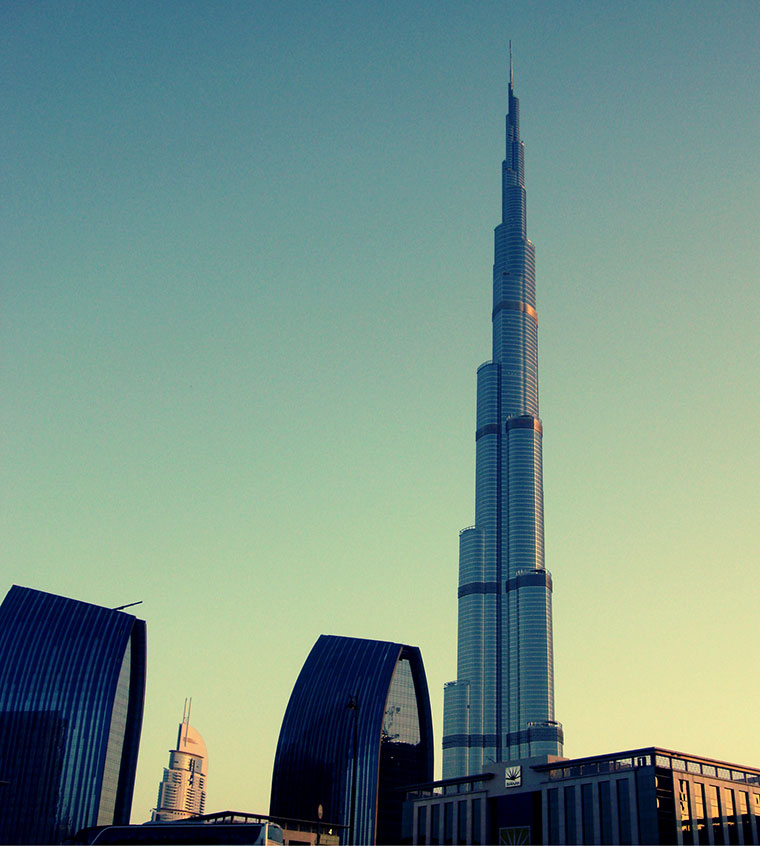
(501, 706)
(72, 686)
(357, 727)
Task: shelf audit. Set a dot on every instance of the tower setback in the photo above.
(501, 706)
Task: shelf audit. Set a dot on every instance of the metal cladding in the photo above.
(357, 726)
(72, 687)
(501, 707)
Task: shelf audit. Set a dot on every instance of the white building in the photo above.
(182, 792)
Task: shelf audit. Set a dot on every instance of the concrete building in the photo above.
(643, 796)
(182, 791)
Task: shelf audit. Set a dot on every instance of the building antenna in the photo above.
(187, 721)
(511, 69)
(128, 605)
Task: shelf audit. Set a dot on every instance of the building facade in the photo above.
(357, 729)
(501, 706)
(72, 688)
(182, 791)
(652, 796)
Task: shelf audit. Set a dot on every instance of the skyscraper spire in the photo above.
(501, 706)
(511, 67)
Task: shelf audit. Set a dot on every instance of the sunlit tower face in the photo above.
(501, 706)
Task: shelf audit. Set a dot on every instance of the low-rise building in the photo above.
(644, 796)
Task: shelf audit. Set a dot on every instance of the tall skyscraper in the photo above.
(72, 688)
(182, 791)
(501, 707)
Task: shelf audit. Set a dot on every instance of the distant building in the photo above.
(72, 686)
(648, 796)
(357, 728)
(182, 791)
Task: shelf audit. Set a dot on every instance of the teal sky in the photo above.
(246, 282)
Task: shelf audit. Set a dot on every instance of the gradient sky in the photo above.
(246, 284)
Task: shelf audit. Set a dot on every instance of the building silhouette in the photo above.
(501, 706)
(357, 729)
(72, 686)
(182, 791)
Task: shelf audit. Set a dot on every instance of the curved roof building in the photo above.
(357, 728)
(72, 686)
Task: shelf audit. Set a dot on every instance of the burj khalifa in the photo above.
(501, 706)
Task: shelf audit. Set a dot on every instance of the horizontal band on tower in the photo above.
(478, 587)
(471, 740)
(488, 429)
(526, 421)
(515, 305)
(548, 732)
(534, 578)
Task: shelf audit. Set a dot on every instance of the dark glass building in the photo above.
(357, 728)
(72, 686)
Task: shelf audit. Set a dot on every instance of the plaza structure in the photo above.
(501, 706)
(646, 796)
(72, 688)
(357, 730)
(182, 791)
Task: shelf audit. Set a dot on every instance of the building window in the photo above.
(435, 824)
(587, 811)
(730, 814)
(571, 836)
(422, 824)
(462, 822)
(448, 823)
(717, 820)
(624, 811)
(552, 809)
(477, 831)
(605, 812)
(684, 806)
(699, 813)
(744, 813)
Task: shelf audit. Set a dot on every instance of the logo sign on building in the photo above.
(513, 776)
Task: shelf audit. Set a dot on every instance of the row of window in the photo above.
(706, 809)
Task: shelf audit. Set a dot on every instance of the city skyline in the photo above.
(244, 254)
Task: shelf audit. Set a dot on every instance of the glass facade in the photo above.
(72, 685)
(501, 706)
(357, 728)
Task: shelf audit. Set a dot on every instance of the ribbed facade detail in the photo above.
(72, 686)
(357, 729)
(501, 706)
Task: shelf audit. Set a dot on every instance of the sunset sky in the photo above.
(245, 273)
